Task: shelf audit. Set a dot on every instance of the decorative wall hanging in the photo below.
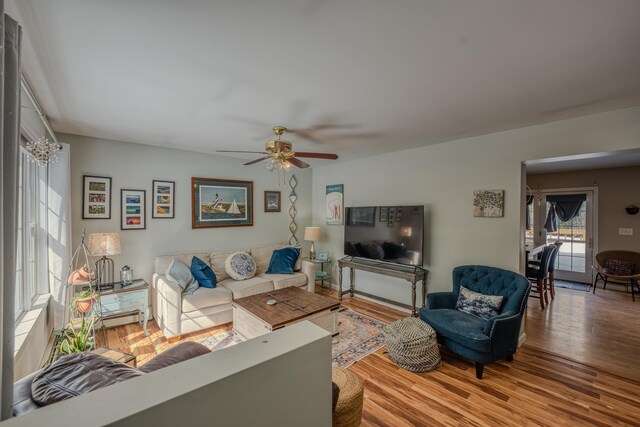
(221, 203)
(132, 209)
(632, 209)
(383, 214)
(272, 201)
(96, 197)
(335, 204)
(488, 203)
(293, 182)
(163, 199)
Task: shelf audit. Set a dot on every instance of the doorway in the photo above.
(567, 215)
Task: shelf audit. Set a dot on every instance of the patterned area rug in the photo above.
(359, 336)
(584, 287)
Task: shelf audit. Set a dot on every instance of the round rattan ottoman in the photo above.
(412, 344)
(348, 411)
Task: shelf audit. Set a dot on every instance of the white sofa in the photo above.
(178, 314)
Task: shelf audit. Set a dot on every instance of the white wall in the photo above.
(134, 166)
(279, 379)
(443, 177)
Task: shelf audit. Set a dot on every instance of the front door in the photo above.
(576, 252)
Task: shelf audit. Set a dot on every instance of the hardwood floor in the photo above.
(537, 388)
(599, 330)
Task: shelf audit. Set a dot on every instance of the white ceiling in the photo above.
(202, 75)
(616, 159)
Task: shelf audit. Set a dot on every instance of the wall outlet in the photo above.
(625, 231)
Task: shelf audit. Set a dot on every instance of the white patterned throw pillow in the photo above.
(240, 266)
(483, 306)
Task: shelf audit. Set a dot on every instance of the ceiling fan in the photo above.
(280, 154)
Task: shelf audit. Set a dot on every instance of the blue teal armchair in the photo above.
(471, 337)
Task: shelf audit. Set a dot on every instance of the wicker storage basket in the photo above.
(412, 344)
(348, 411)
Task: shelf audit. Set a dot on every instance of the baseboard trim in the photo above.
(522, 339)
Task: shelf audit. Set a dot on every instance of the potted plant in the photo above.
(77, 341)
(84, 300)
(81, 275)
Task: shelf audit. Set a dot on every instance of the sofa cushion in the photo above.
(240, 266)
(286, 280)
(179, 353)
(77, 374)
(217, 260)
(203, 273)
(180, 273)
(283, 260)
(161, 263)
(463, 328)
(483, 306)
(245, 288)
(262, 256)
(205, 298)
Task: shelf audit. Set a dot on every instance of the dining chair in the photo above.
(539, 274)
(550, 281)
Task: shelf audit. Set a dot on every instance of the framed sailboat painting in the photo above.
(221, 203)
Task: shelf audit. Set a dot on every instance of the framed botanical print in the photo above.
(221, 203)
(96, 197)
(272, 201)
(132, 214)
(163, 194)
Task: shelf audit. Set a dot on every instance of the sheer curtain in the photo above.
(10, 38)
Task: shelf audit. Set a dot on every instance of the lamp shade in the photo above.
(311, 233)
(104, 244)
(406, 232)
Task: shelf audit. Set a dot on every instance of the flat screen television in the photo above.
(385, 233)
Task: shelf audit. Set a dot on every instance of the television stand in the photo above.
(412, 274)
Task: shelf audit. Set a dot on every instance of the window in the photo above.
(27, 273)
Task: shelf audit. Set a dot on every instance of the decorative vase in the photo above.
(84, 305)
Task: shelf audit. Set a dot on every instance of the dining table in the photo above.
(532, 248)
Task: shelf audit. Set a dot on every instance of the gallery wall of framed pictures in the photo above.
(96, 197)
(163, 194)
(132, 215)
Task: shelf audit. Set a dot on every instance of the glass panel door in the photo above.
(576, 252)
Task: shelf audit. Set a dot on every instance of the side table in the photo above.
(118, 299)
(322, 274)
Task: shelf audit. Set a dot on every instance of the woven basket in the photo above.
(348, 411)
(412, 344)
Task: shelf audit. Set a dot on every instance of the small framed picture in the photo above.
(383, 214)
(322, 256)
(272, 201)
(96, 197)
(392, 217)
(399, 214)
(132, 215)
(163, 194)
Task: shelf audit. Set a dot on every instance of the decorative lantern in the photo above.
(126, 275)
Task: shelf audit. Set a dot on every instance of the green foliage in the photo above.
(76, 341)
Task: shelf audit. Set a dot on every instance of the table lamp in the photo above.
(312, 234)
(103, 245)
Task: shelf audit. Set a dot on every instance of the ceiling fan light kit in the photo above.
(280, 155)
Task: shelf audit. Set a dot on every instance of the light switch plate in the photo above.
(625, 231)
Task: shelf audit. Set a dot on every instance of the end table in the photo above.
(322, 275)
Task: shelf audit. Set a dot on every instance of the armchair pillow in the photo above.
(203, 273)
(283, 261)
(181, 273)
(480, 305)
(240, 266)
(617, 267)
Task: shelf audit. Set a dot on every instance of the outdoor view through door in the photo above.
(565, 216)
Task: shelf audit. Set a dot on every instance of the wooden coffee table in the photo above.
(252, 316)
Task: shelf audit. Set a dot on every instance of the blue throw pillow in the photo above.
(181, 273)
(203, 273)
(283, 260)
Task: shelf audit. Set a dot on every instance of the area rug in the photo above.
(359, 336)
(583, 287)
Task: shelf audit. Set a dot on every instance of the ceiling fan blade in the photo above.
(306, 135)
(239, 151)
(328, 156)
(256, 160)
(297, 162)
